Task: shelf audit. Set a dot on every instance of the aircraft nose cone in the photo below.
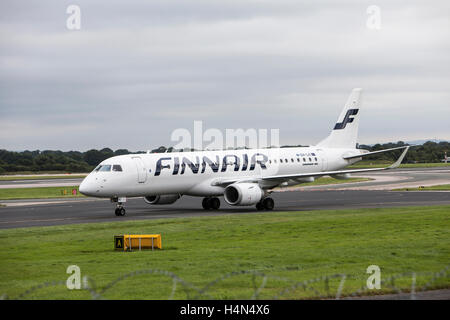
(86, 187)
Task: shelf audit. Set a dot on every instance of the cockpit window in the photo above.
(117, 167)
(105, 168)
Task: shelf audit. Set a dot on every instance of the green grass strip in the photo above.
(39, 193)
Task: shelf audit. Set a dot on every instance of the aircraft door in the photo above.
(323, 160)
(141, 171)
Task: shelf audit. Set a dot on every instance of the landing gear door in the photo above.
(141, 171)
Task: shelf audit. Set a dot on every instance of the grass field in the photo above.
(284, 247)
(36, 177)
(442, 187)
(379, 164)
(38, 193)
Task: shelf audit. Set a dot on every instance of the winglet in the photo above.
(399, 160)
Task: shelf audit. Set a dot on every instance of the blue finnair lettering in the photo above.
(214, 165)
(347, 119)
(159, 165)
(261, 162)
(196, 167)
(225, 163)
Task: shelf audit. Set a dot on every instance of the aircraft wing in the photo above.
(281, 178)
(371, 153)
(225, 182)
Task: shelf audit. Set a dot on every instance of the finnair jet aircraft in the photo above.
(243, 177)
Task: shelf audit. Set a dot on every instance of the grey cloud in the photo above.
(136, 71)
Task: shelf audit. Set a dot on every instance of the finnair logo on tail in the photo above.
(347, 119)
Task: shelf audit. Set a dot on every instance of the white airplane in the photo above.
(243, 177)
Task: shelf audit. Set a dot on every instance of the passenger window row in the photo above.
(309, 159)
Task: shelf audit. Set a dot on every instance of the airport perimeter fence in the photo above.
(317, 288)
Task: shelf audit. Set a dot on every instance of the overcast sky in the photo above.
(137, 70)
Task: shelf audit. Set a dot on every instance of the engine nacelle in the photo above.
(162, 199)
(243, 194)
(343, 176)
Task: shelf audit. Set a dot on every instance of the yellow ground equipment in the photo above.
(127, 242)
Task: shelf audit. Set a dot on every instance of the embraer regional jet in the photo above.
(243, 177)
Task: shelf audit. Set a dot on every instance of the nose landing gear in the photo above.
(120, 210)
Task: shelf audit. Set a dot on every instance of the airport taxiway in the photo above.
(370, 194)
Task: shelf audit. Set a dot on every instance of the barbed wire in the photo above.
(390, 282)
(193, 292)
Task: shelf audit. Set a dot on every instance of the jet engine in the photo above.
(162, 199)
(243, 194)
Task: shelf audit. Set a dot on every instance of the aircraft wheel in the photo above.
(214, 203)
(120, 212)
(259, 206)
(268, 203)
(206, 203)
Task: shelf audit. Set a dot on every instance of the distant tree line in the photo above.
(48, 160)
(429, 152)
(75, 161)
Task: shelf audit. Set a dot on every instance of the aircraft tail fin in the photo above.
(345, 131)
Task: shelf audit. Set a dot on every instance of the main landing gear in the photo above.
(265, 204)
(211, 203)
